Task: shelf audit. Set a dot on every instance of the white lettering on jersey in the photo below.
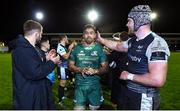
(136, 59)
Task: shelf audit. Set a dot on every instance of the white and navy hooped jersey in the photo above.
(61, 50)
(152, 48)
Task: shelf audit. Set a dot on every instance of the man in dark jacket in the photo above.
(30, 85)
(118, 62)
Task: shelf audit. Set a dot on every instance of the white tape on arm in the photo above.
(130, 76)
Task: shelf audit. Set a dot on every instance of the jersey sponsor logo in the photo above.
(87, 58)
(158, 47)
(158, 56)
(81, 53)
(136, 59)
(87, 62)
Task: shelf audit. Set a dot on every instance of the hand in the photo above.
(84, 70)
(98, 37)
(124, 75)
(90, 71)
(72, 45)
(51, 53)
(55, 59)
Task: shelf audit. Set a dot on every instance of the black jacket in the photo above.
(31, 88)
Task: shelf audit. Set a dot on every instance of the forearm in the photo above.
(75, 69)
(101, 70)
(155, 78)
(109, 43)
(118, 46)
(148, 80)
(145, 79)
(66, 56)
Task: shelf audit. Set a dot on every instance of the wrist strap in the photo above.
(130, 76)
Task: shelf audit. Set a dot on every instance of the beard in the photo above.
(131, 32)
(89, 40)
(38, 39)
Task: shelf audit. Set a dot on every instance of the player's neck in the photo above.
(63, 43)
(142, 32)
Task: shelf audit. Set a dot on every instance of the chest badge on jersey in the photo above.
(139, 48)
(94, 53)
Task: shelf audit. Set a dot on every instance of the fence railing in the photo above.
(173, 39)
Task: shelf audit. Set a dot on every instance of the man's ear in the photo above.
(36, 34)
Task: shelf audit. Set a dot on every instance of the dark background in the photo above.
(69, 16)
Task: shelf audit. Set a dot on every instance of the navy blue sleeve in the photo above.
(30, 65)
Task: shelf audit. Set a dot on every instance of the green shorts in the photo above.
(88, 95)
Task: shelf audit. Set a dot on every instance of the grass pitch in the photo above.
(170, 93)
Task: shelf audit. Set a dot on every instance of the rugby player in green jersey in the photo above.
(88, 61)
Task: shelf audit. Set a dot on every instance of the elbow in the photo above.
(159, 83)
(65, 57)
(71, 68)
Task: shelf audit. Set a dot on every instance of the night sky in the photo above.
(62, 16)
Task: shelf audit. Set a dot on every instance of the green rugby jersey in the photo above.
(88, 56)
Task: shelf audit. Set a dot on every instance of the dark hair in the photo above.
(44, 39)
(124, 36)
(90, 26)
(30, 25)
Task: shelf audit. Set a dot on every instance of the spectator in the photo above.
(118, 62)
(30, 83)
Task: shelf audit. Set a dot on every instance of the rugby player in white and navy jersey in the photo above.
(63, 71)
(147, 61)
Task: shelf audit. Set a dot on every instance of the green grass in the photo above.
(5, 81)
(170, 93)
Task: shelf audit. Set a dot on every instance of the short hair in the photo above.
(31, 25)
(61, 37)
(90, 26)
(44, 39)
